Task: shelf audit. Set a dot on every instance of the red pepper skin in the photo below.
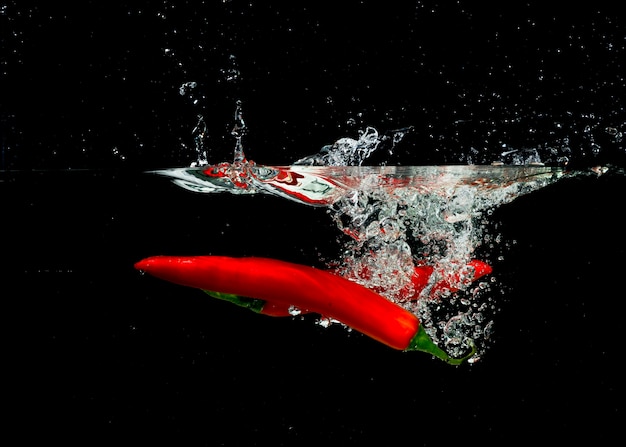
(420, 278)
(283, 283)
(278, 310)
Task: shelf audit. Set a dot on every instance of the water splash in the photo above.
(239, 130)
(440, 223)
(350, 152)
(397, 219)
(200, 134)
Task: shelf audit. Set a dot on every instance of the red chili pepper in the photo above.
(421, 278)
(255, 282)
(475, 269)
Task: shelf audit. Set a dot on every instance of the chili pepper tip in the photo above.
(154, 263)
(143, 265)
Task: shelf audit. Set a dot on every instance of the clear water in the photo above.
(396, 218)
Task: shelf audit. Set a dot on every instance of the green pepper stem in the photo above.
(422, 342)
(253, 304)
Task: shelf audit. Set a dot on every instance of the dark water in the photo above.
(91, 99)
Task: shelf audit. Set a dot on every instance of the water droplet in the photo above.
(187, 87)
(323, 322)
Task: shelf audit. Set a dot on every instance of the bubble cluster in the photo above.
(391, 231)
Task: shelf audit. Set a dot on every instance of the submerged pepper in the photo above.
(272, 287)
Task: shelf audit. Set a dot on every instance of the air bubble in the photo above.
(294, 311)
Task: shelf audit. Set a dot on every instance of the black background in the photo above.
(90, 100)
